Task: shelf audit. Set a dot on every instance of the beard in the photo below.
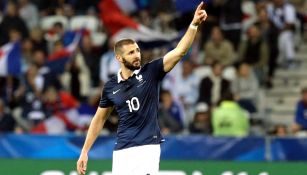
(130, 65)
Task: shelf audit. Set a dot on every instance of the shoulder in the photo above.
(225, 82)
(300, 103)
(155, 61)
(289, 6)
(209, 44)
(111, 83)
(206, 79)
(227, 43)
(152, 64)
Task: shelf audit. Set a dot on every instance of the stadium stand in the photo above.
(55, 56)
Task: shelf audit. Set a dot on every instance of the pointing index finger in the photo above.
(199, 7)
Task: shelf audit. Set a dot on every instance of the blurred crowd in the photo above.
(214, 90)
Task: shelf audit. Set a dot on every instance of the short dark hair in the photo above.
(304, 90)
(215, 63)
(227, 96)
(58, 24)
(119, 44)
(165, 91)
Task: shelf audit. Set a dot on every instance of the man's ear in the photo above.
(119, 58)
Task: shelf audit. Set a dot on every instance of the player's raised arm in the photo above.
(93, 131)
(172, 57)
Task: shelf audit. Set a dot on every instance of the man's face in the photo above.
(216, 35)
(217, 70)
(254, 32)
(131, 56)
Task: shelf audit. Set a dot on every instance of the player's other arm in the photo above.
(173, 57)
(95, 127)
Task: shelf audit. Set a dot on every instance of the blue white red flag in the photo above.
(10, 59)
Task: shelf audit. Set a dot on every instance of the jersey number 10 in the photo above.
(133, 104)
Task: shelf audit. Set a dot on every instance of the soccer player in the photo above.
(134, 93)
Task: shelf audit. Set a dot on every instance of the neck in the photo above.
(254, 40)
(126, 73)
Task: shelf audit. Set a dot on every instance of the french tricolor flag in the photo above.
(121, 26)
(78, 118)
(10, 59)
(57, 60)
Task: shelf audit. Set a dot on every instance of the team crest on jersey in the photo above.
(139, 78)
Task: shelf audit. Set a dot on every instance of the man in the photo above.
(229, 119)
(214, 86)
(7, 122)
(300, 123)
(283, 15)
(134, 92)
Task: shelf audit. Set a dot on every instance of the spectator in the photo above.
(10, 89)
(231, 21)
(108, 64)
(33, 109)
(283, 15)
(279, 130)
(7, 122)
(172, 108)
(301, 114)
(57, 34)
(163, 23)
(183, 87)
(10, 21)
(45, 77)
(213, 9)
(38, 40)
(167, 123)
(69, 11)
(245, 88)
(255, 52)
(269, 33)
(27, 49)
(29, 13)
(74, 70)
(58, 101)
(187, 85)
(249, 14)
(219, 49)
(213, 87)
(14, 35)
(91, 59)
(201, 123)
(229, 119)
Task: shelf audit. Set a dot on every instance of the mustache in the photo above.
(137, 59)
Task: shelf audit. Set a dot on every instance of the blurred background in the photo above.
(235, 105)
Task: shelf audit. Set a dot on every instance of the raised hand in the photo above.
(200, 15)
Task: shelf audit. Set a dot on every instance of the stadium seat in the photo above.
(86, 22)
(48, 21)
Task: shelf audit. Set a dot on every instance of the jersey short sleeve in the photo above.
(104, 100)
(158, 68)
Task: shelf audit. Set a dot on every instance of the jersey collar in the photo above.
(120, 78)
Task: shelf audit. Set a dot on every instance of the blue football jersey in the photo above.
(136, 101)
